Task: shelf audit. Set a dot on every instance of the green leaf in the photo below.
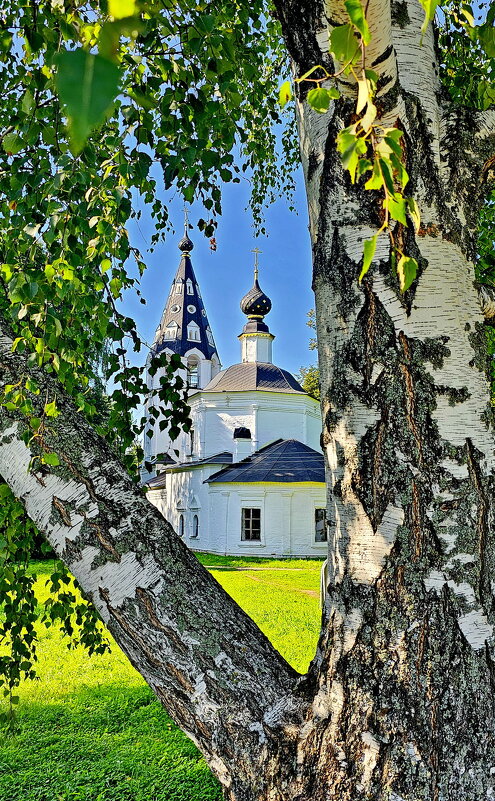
(87, 86)
(369, 247)
(27, 102)
(394, 146)
(429, 6)
(12, 143)
(356, 14)
(376, 180)
(344, 44)
(119, 9)
(372, 76)
(51, 459)
(385, 167)
(319, 99)
(51, 409)
(285, 93)
(413, 211)
(407, 269)
(397, 208)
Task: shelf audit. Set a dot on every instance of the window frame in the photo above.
(195, 527)
(193, 328)
(192, 366)
(317, 520)
(181, 525)
(247, 524)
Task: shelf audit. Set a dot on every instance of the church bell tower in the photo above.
(184, 329)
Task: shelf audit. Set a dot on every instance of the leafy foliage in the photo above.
(365, 146)
(104, 103)
(309, 379)
(76, 618)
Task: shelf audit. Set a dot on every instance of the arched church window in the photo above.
(189, 285)
(191, 441)
(195, 531)
(192, 375)
(178, 287)
(193, 332)
(171, 330)
(181, 525)
(209, 336)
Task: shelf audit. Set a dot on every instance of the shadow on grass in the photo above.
(109, 743)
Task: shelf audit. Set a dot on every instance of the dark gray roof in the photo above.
(177, 312)
(254, 375)
(285, 461)
(218, 458)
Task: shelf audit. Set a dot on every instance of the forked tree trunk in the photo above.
(399, 703)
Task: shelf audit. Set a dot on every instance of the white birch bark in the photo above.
(408, 437)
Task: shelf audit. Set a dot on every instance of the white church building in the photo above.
(248, 479)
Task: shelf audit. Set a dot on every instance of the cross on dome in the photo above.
(256, 252)
(256, 304)
(185, 244)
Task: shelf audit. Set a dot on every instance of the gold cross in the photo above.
(186, 220)
(256, 252)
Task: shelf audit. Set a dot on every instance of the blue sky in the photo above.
(226, 275)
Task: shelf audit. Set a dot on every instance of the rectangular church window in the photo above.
(251, 524)
(320, 525)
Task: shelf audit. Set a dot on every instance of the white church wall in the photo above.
(287, 519)
(268, 415)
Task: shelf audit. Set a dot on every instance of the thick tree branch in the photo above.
(206, 660)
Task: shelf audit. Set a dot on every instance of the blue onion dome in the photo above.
(256, 303)
(185, 244)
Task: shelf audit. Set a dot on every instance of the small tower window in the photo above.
(197, 291)
(181, 525)
(193, 332)
(195, 529)
(192, 375)
(171, 330)
(191, 441)
(178, 287)
(209, 336)
(320, 525)
(190, 288)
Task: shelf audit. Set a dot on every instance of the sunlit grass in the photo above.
(91, 730)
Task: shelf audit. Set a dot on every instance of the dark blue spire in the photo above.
(184, 325)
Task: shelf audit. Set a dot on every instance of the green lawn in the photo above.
(90, 729)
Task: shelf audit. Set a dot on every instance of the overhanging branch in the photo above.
(207, 661)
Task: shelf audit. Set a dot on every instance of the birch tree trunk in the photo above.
(399, 702)
(405, 705)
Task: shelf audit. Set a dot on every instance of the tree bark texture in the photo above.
(405, 706)
(399, 702)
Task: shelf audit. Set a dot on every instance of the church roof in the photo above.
(225, 457)
(184, 323)
(254, 376)
(283, 461)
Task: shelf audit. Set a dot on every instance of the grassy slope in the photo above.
(91, 729)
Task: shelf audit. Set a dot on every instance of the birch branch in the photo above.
(205, 659)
